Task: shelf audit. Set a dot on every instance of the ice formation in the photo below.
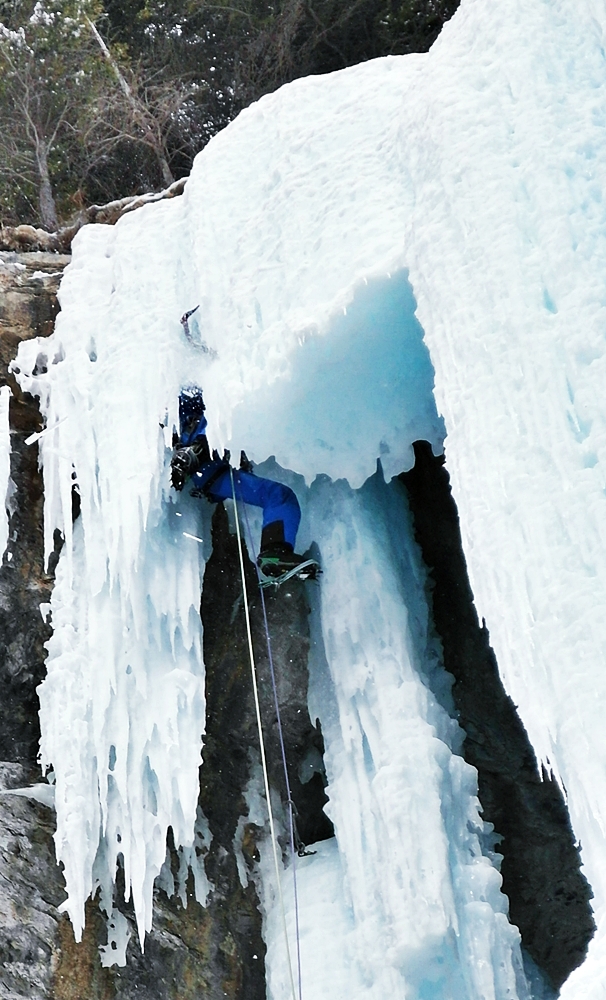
(421, 912)
(122, 706)
(334, 234)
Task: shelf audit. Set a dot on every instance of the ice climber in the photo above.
(211, 478)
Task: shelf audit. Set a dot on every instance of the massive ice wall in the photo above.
(509, 280)
(478, 170)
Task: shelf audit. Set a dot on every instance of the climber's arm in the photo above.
(191, 452)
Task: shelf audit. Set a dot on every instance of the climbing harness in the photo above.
(264, 762)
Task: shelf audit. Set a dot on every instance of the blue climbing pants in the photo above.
(277, 501)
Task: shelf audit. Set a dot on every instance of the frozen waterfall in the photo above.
(350, 240)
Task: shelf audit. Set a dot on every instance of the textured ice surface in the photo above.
(421, 913)
(508, 271)
(122, 706)
(476, 173)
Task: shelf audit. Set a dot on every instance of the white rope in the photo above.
(260, 727)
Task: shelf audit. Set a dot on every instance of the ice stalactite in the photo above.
(122, 705)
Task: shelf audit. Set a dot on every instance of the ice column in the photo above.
(415, 903)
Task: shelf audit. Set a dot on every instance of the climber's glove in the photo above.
(184, 463)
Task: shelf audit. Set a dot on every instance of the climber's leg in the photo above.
(281, 511)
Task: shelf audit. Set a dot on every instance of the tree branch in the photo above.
(29, 238)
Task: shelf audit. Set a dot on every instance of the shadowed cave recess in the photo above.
(337, 378)
(548, 894)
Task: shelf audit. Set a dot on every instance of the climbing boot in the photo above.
(277, 556)
(278, 560)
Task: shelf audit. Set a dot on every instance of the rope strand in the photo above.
(294, 840)
(262, 742)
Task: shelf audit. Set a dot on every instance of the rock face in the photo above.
(32, 885)
(232, 752)
(31, 889)
(28, 306)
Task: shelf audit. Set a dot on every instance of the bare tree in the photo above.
(96, 105)
(25, 147)
(67, 104)
(292, 38)
(47, 73)
(140, 111)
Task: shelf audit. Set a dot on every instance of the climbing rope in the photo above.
(263, 754)
(297, 847)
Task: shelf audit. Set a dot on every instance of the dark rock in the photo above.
(31, 889)
(28, 306)
(232, 743)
